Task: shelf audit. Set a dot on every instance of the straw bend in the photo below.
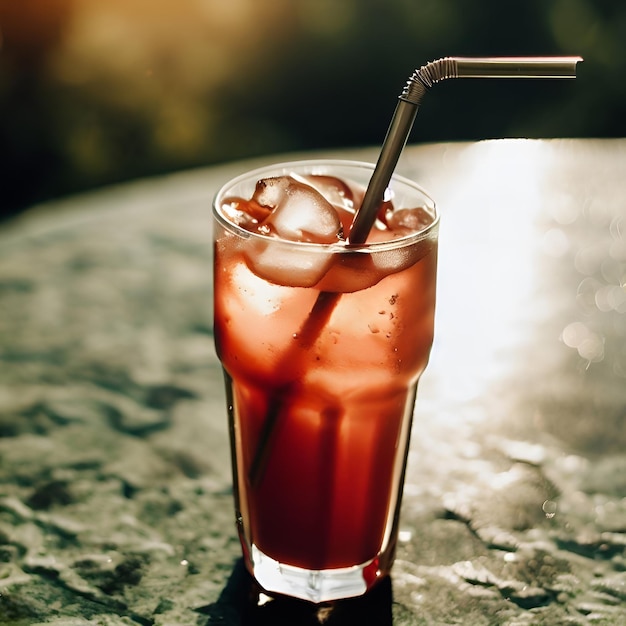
(486, 67)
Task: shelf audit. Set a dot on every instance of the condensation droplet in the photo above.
(617, 250)
(592, 348)
(611, 271)
(616, 229)
(611, 298)
(602, 298)
(586, 294)
(574, 334)
(549, 507)
(590, 345)
(617, 298)
(589, 259)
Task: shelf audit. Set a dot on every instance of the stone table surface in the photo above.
(115, 487)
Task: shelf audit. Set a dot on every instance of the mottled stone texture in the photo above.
(115, 487)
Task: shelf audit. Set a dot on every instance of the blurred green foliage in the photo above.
(103, 91)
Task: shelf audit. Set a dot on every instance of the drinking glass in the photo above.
(322, 347)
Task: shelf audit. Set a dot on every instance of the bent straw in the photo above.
(410, 99)
(395, 140)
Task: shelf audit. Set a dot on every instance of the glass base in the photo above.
(312, 585)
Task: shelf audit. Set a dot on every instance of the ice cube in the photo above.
(356, 271)
(345, 196)
(244, 213)
(335, 190)
(351, 271)
(299, 212)
(282, 264)
(401, 223)
(405, 221)
(270, 191)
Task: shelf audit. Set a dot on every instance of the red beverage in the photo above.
(322, 345)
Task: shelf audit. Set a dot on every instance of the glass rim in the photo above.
(324, 164)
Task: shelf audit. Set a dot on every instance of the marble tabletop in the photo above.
(115, 486)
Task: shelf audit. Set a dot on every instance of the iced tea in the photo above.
(322, 345)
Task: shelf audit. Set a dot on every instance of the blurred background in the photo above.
(94, 92)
